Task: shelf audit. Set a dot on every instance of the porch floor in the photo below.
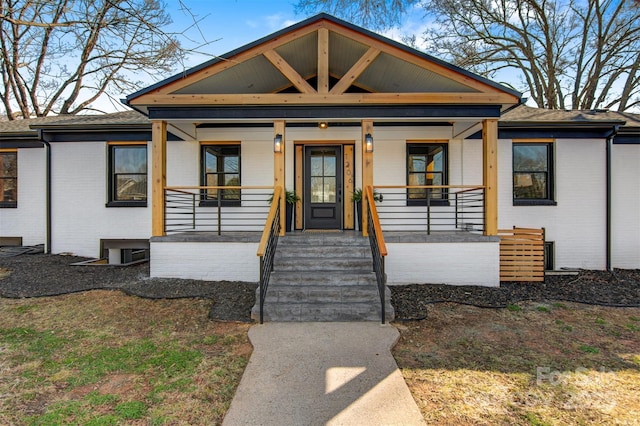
(389, 236)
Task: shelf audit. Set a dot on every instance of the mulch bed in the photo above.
(36, 275)
(41, 275)
(620, 288)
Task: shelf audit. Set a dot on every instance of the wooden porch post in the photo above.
(278, 172)
(159, 175)
(490, 175)
(367, 172)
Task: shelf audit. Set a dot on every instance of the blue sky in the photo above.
(229, 24)
(226, 25)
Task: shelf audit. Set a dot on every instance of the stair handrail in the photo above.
(267, 246)
(378, 247)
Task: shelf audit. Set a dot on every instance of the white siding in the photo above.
(79, 216)
(28, 220)
(256, 150)
(443, 263)
(205, 261)
(390, 153)
(183, 163)
(577, 224)
(625, 171)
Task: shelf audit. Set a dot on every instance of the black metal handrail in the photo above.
(216, 208)
(267, 247)
(441, 208)
(378, 248)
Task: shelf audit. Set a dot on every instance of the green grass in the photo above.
(132, 357)
(95, 399)
(87, 359)
(588, 349)
(131, 410)
(542, 309)
(514, 308)
(534, 420)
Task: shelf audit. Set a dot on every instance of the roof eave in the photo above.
(560, 124)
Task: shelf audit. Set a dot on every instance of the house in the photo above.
(323, 108)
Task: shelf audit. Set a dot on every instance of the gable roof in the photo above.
(323, 60)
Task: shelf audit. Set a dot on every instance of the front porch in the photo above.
(442, 257)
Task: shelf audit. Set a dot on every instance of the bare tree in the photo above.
(60, 56)
(373, 14)
(564, 53)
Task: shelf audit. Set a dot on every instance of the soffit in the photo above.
(290, 66)
(255, 75)
(386, 73)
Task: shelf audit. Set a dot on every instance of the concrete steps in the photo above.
(323, 277)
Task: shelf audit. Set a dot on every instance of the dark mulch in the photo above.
(35, 275)
(620, 288)
(40, 275)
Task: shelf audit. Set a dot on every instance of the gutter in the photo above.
(612, 135)
(48, 191)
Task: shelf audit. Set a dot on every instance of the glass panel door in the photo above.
(323, 187)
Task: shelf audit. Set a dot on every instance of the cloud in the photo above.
(277, 21)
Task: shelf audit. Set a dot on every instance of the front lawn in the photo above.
(104, 358)
(529, 364)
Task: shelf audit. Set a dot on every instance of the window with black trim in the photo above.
(8, 179)
(221, 167)
(426, 166)
(532, 173)
(127, 175)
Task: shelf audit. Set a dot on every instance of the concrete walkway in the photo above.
(322, 374)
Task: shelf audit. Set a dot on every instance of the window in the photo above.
(532, 173)
(8, 179)
(426, 165)
(549, 255)
(221, 167)
(127, 175)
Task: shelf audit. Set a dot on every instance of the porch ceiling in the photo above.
(324, 61)
(385, 74)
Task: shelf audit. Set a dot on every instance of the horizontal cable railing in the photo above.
(216, 208)
(431, 208)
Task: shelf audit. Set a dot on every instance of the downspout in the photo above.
(48, 190)
(610, 138)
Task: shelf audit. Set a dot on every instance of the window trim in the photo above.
(111, 176)
(204, 202)
(444, 201)
(11, 204)
(550, 199)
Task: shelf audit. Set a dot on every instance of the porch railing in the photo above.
(378, 248)
(267, 247)
(216, 208)
(431, 208)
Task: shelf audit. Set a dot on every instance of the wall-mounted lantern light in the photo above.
(277, 143)
(323, 124)
(368, 142)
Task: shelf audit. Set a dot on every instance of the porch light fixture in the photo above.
(277, 143)
(368, 142)
(323, 124)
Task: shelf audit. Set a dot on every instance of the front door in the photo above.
(323, 187)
